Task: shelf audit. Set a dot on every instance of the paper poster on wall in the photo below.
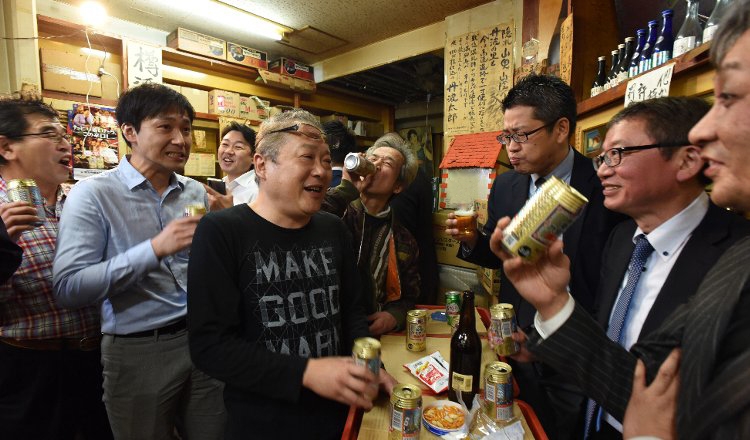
(201, 164)
(653, 84)
(93, 137)
(420, 141)
(479, 73)
(144, 63)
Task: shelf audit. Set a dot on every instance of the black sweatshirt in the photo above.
(263, 299)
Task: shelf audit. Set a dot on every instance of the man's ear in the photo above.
(562, 129)
(5, 151)
(397, 188)
(260, 166)
(130, 133)
(690, 162)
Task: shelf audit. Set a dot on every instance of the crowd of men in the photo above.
(638, 326)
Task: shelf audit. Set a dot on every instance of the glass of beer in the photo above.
(465, 222)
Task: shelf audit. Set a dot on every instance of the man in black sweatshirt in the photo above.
(274, 303)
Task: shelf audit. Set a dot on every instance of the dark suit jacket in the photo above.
(10, 254)
(712, 330)
(584, 240)
(718, 230)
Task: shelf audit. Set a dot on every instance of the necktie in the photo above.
(538, 183)
(620, 313)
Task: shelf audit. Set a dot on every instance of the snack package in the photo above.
(432, 370)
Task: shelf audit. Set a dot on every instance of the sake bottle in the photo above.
(713, 21)
(691, 33)
(665, 41)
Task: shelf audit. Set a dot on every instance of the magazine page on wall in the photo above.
(93, 138)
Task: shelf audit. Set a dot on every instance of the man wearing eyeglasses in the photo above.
(236, 160)
(124, 245)
(50, 370)
(539, 117)
(386, 252)
(275, 296)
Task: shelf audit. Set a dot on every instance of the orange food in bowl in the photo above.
(445, 417)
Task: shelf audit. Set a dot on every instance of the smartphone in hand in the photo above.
(217, 185)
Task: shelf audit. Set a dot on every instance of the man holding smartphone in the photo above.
(236, 160)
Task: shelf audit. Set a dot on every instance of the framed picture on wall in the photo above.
(592, 140)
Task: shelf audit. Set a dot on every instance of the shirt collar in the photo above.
(669, 236)
(563, 171)
(244, 180)
(133, 178)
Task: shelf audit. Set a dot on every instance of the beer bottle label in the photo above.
(462, 382)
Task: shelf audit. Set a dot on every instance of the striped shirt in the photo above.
(28, 309)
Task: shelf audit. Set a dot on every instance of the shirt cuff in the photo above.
(546, 328)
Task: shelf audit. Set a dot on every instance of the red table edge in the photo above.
(354, 421)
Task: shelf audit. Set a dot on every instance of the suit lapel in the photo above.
(618, 255)
(582, 180)
(520, 191)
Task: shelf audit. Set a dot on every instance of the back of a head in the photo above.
(736, 22)
(149, 100)
(267, 144)
(341, 140)
(14, 113)
(411, 164)
(549, 95)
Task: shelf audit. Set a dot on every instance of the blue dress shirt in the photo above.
(104, 253)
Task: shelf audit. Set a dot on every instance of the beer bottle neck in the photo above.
(468, 319)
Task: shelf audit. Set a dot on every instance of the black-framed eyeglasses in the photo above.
(520, 137)
(613, 157)
(295, 129)
(55, 136)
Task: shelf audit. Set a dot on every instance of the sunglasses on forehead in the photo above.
(296, 129)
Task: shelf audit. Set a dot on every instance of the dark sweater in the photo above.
(262, 300)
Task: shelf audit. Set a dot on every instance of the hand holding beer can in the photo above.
(26, 190)
(194, 209)
(354, 163)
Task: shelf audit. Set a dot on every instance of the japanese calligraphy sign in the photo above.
(566, 48)
(479, 73)
(144, 63)
(653, 84)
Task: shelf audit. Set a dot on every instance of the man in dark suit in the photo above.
(539, 116)
(712, 329)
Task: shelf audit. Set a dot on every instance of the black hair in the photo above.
(340, 139)
(246, 131)
(13, 116)
(149, 100)
(550, 97)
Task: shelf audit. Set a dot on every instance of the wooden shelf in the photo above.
(93, 100)
(685, 64)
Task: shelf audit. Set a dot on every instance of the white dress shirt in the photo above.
(243, 189)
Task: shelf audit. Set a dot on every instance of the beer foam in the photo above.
(464, 212)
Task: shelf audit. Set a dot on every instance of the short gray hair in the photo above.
(735, 23)
(268, 145)
(409, 169)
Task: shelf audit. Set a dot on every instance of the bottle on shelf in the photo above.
(665, 41)
(717, 14)
(690, 34)
(636, 58)
(611, 75)
(622, 69)
(644, 63)
(601, 77)
(466, 355)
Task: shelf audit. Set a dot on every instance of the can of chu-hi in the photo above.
(502, 327)
(366, 351)
(406, 412)
(416, 330)
(26, 190)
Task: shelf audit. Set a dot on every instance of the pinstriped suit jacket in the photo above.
(714, 400)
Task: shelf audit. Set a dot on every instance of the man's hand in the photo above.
(523, 355)
(651, 410)
(18, 217)
(218, 201)
(359, 182)
(340, 379)
(381, 322)
(176, 236)
(544, 283)
(451, 229)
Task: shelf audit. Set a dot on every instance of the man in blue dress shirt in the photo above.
(124, 244)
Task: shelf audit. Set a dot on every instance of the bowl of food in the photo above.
(443, 417)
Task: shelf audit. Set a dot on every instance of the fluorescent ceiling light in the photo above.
(92, 13)
(249, 21)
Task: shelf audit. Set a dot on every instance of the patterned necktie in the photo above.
(641, 253)
(538, 183)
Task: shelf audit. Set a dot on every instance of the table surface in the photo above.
(438, 328)
(394, 355)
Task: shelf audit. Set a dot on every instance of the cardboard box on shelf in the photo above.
(373, 129)
(201, 44)
(246, 56)
(490, 279)
(222, 102)
(248, 108)
(303, 85)
(445, 246)
(67, 72)
(198, 98)
(290, 67)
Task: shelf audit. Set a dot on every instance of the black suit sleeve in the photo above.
(10, 254)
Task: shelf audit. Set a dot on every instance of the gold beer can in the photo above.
(26, 190)
(546, 215)
(498, 391)
(194, 209)
(416, 330)
(366, 352)
(406, 412)
(502, 327)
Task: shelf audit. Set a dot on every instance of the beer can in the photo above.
(194, 209)
(416, 330)
(453, 308)
(25, 190)
(498, 391)
(354, 163)
(406, 412)
(366, 352)
(502, 327)
(546, 215)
